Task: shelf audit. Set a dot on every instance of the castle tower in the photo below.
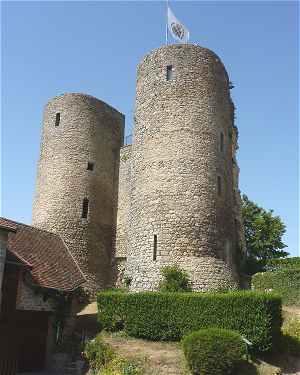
(74, 192)
(183, 193)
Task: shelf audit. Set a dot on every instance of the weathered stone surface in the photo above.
(164, 185)
(28, 299)
(123, 199)
(176, 161)
(89, 131)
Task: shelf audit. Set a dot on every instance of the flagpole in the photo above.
(167, 7)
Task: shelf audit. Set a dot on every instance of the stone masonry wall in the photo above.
(121, 208)
(27, 299)
(89, 130)
(123, 200)
(177, 162)
(237, 206)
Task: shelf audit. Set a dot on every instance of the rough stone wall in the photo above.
(27, 299)
(123, 205)
(175, 164)
(237, 206)
(120, 271)
(89, 131)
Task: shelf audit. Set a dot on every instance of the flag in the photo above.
(178, 31)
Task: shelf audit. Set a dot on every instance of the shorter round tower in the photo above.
(182, 194)
(80, 147)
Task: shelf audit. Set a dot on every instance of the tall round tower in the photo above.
(182, 189)
(75, 183)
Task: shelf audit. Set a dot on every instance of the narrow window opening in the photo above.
(57, 119)
(85, 208)
(169, 72)
(90, 166)
(219, 186)
(155, 247)
(236, 223)
(222, 142)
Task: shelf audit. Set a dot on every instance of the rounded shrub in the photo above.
(174, 280)
(213, 351)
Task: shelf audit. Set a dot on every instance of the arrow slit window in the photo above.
(222, 142)
(85, 208)
(219, 186)
(155, 247)
(57, 119)
(169, 72)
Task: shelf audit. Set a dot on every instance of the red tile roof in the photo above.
(52, 263)
(7, 224)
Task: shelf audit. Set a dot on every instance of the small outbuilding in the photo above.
(34, 264)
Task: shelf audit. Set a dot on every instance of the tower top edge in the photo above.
(83, 96)
(179, 47)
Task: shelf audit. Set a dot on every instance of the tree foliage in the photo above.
(263, 234)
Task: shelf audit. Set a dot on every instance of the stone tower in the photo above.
(80, 147)
(183, 202)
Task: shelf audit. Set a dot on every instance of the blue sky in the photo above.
(49, 48)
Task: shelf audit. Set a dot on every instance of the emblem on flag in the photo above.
(178, 31)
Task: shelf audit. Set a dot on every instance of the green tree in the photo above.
(263, 234)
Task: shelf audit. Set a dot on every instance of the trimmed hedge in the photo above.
(213, 351)
(285, 282)
(276, 264)
(170, 316)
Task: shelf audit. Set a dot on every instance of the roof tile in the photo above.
(52, 264)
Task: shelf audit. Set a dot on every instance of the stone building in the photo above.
(169, 198)
(76, 181)
(36, 265)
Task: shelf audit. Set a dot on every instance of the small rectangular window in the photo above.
(85, 208)
(236, 223)
(57, 119)
(219, 186)
(222, 142)
(90, 166)
(169, 72)
(155, 247)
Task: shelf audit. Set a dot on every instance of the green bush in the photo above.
(285, 282)
(174, 280)
(290, 342)
(170, 316)
(122, 366)
(98, 353)
(213, 351)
